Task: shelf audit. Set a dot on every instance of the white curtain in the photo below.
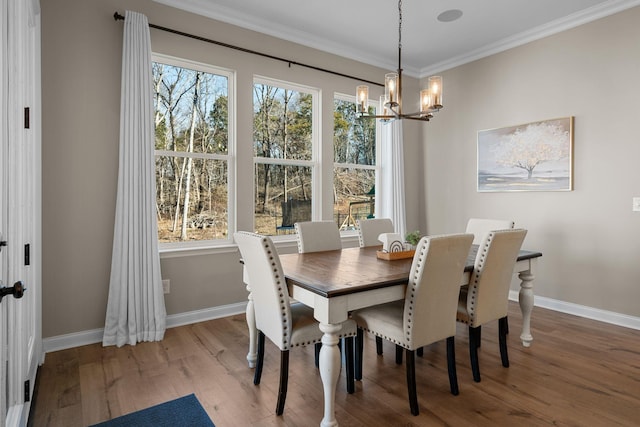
(135, 310)
(391, 204)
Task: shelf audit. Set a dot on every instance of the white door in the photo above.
(20, 260)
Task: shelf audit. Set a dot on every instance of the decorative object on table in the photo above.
(393, 247)
(390, 242)
(413, 238)
(534, 156)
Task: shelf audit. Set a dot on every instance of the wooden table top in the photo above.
(340, 272)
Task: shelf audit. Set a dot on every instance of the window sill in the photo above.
(283, 244)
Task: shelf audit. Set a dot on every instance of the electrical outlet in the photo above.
(166, 286)
(636, 204)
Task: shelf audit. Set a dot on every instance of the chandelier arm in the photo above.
(393, 91)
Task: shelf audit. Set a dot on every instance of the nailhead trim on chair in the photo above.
(473, 287)
(283, 306)
(402, 344)
(423, 249)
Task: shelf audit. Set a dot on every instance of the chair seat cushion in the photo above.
(384, 320)
(306, 330)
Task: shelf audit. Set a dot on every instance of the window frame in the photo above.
(172, 249)
(316, 147)
(378, 151)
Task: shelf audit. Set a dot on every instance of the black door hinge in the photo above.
(27, 250)
(27, 390)
(26, 117)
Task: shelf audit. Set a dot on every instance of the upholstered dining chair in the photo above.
(428, 312)
(317, 236)
(287, 325)
(487, 296)
(370, 229)
(368, 232)
(479, 227)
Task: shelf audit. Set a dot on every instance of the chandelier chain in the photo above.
(399, 24)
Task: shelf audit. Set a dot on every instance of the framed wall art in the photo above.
(535, 156)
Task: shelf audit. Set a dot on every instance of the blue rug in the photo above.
(183, 412)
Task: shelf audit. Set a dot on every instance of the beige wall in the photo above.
(81, 60)
(590, 238)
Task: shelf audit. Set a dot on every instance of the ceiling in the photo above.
(367, 30)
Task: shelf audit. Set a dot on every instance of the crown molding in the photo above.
(253, 23)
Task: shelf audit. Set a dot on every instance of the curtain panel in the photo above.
(135, 309)
(392, 202)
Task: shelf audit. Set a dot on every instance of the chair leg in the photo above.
(451, 366)
(479, 340)
(474, 337)
(420, 351)
(284, 380)
(348, 355)
(399, 351)
(317, 348)
(503, 327)
(260, 359)
(379, 345)
(411, 382)
(358, 355)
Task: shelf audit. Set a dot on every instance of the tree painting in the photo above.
(530, 157)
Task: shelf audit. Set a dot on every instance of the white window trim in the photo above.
(376, 167)
(201, 247)
(316, 138)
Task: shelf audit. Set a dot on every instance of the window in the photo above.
(284, 117)
(355, 167)
(193, 142)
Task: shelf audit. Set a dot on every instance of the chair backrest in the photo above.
(480, 227)
(268, 287)
(431, 300)
(370, 229)
(316, 236)
(488, 297)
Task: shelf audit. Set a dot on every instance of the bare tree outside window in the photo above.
(191, 127)
(354, 146)
(283, 153)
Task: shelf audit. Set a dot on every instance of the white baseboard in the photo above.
(62, 342)
(583, 311)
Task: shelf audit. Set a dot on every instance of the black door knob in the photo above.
(17, 290)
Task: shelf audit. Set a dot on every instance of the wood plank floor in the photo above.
(577, 372)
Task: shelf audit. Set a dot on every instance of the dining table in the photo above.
(336, 282)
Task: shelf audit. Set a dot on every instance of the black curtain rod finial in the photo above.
(117, 16)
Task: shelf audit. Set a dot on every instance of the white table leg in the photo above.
(525, 298)
(329, 371)
(252, 356)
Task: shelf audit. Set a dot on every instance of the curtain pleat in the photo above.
(135, 309)
(392, 200)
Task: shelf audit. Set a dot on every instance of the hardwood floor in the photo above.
(577, 372)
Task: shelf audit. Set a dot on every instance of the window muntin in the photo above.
(193, 143)
(284, 138)
(355, 167)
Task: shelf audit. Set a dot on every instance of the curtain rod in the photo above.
(119, 17)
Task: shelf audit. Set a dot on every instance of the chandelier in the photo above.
(390, 107)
